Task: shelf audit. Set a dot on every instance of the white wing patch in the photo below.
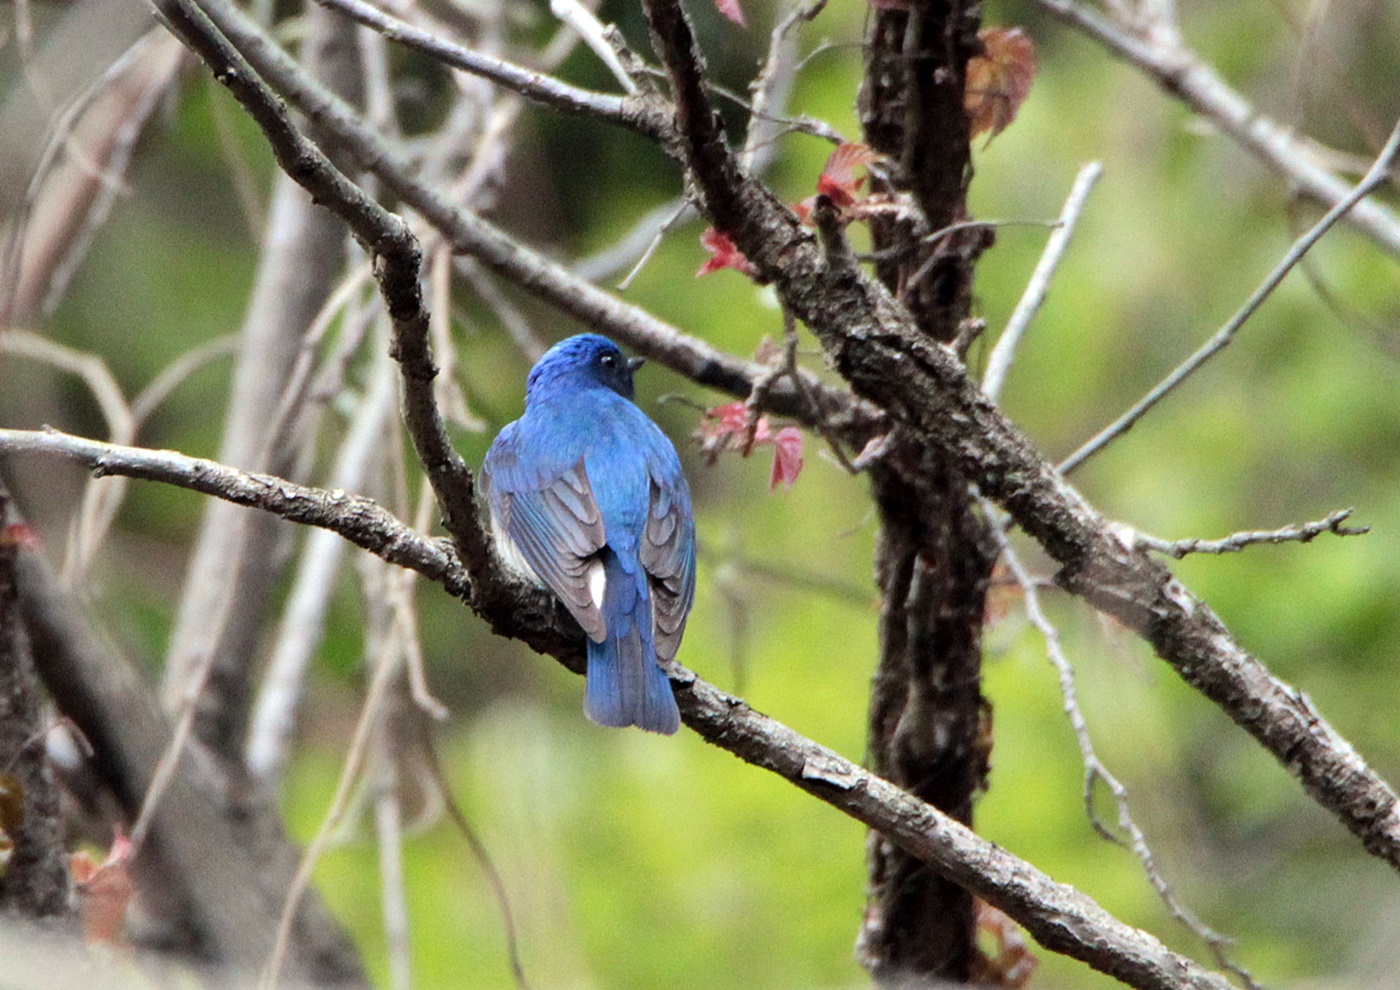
(510, 553)
(597, 583)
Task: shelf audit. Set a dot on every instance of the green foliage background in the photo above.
(640, 862)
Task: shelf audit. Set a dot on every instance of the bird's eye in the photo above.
(608, 360)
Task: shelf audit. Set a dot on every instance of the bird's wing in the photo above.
(556, 528)
(667, 553)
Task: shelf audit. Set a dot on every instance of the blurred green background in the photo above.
(640, 862)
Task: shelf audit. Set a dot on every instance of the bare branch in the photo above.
(1236, 542)
(770, 88)
(100, 501)
(357, 519)
(385, 665)
(635, 113)
(1096, 772)
(228, 871)
(1376, 177)
(303, 622)
(999, 364)
(1060, 917)
(595, 36)
(469, 234)
(870, 340)
(1180, 72)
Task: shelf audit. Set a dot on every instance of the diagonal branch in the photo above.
(1179, 71)
(1374, 178)
(531, 271)
(871, 341)
(640, 114)
(1058, 916)
(397, 260)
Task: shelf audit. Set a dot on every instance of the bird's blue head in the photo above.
(587, 360)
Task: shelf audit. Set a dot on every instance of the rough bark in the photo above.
(928, 728)
(34, 881)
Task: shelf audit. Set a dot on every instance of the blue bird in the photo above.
(587, 499)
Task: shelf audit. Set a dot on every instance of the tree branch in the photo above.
(871, 342)
(1179, 71)
(640, 113)
(230, 868)
(1236, 542)
(531, 271)
(397, 260)
(1059, 917)
(1373, 179)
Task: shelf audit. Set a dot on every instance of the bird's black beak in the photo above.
(633, 363)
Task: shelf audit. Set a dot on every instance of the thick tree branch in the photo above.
(1058, 916)
(872, 343)
(531, 271)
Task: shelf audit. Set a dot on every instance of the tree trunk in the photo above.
(34, 869)
(929, 724)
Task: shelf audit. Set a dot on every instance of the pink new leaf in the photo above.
(787, 458)
(723, 254)
(838, 179)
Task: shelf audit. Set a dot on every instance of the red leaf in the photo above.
(787, 457)
(998, 80)
(724, 423)
(731, 10)
(838, 179)
(723, 254)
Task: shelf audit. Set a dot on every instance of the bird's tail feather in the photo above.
(625, 684)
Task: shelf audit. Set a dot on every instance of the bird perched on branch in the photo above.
(587, 498)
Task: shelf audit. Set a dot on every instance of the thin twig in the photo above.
(388, 827)
(1236, 542)
(177, 372)
(595, 36)
(1376, 177)
(770, 88)
(948, 231)
(680, 214)
(999, 363)
(273, 716)
(1096, 772)
(483, 859)
(639, 240)
(386, 664)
